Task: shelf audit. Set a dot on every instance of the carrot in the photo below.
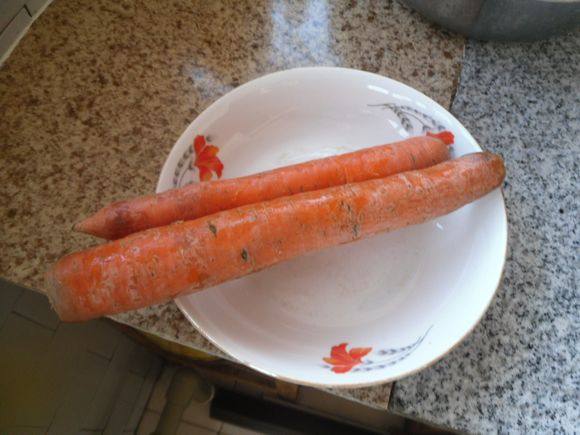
(161, 263)
(195, 200)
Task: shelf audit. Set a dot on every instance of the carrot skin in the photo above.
(156, 265)
(200, 199)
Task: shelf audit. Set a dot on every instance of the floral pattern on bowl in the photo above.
(411, 119)
(205, 164)
(341, 361)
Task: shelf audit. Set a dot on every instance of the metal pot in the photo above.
(508, 20)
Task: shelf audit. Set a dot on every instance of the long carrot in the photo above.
(195, 200)
(161, 263)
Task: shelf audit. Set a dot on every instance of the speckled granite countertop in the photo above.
(519, 371)
(97, 92)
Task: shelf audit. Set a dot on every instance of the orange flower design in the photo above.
(206, 159)
(343, 361)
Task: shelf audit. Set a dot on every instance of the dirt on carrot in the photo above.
(200, 199)
(156, 265)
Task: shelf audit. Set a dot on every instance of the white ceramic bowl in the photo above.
(389, 305)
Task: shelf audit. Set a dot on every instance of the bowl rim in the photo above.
(347, 385)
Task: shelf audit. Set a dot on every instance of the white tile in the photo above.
(23, 374)
(144, 394)
(83, 381)
(123, 351)
(69, 335)
(141, 360)
(156, 367)
(148, 423)
(131, 385)
(119, 418)
(97, 336)
(103, 338)
(64, 357)
(157, 400)
(100, 409)
(190, 429)
(133, 422)
(198, 415)
(230, 429)
(9, 294)
(91, 367)
(52, 379)
(35, 306)
(67, 354)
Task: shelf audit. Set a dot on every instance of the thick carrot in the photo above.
(161, 263)
(200, 199)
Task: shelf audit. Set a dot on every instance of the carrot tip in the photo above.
(91, 225)
(446, 136)
(82, 226)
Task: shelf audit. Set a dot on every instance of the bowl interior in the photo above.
(409, 296)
